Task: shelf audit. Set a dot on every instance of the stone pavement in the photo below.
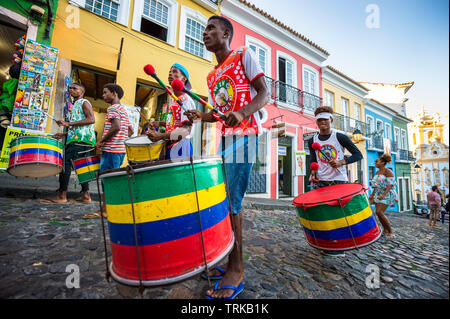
(38, 241)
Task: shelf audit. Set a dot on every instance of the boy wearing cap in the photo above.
(333, 144)
(178, 128)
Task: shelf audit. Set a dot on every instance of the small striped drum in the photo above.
(337, 217)
(173, 233)
(35, 156)
(86, 168)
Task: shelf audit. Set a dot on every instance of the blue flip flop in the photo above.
(237, 290)
(223, 271)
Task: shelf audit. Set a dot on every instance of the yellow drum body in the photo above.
(141, 149)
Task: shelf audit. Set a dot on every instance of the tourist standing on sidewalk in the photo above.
(237, 72)
(383, 193)
(80, 138)
(434, 204)
(116, 130)
(333, 144)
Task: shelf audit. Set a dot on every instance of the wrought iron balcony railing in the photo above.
(348, 124)
(290, 95)
(405, 155)
(376, 142)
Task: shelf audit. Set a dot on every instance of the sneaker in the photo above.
(436, 226)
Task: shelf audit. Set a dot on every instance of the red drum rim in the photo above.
(167, 281)
(310, 199)
(148, 166)
(347, 248)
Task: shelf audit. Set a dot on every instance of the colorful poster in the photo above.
(134, 117)
(36, 82)
(300, 163)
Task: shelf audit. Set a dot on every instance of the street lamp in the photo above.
(357, 136)
(417, 168)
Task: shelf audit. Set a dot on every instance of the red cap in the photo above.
(177, 85)
(149, 69)
(316, 146)
(314, 166)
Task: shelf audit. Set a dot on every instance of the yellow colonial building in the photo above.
(432, 154)
(346, 96)
(104, 41)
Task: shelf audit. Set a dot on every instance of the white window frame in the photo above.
(288, 58)
(122, 14)
(387, 132)
(198, 17)
(358, 111)
(328, 93)
(398, 140)
(378, 121)
(310, 69)
(371, 130)
(403, 142)
(171, 23)
(249, 40)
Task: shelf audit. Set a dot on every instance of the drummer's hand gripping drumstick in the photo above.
(178, 85)
(150, 70)
(50, 116)
(314, 167)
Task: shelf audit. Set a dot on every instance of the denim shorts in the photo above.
(111, 160)
(240, 154)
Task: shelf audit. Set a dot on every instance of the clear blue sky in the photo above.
(411, 44)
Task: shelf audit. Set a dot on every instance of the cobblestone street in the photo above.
(38, 241)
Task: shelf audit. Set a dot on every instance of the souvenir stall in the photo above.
(28, 149)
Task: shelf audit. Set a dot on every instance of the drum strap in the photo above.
(141, 287)
(200, 220)
(348, 225)
(108, 274)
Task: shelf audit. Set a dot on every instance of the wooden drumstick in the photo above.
(50, 116)
(178, 85)
(316, 146)
(150, 70)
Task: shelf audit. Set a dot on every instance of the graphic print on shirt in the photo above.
(329, 150)
(230, 90)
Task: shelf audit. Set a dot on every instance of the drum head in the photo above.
(330, 195)
(35, 170)
(138, 140)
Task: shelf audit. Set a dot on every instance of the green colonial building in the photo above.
(403, 163)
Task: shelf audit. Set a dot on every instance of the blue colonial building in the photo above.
(379, 138)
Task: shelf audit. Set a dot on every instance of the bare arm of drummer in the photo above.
(89, 117)
(175, 135)
(235, 118)
(130, 131)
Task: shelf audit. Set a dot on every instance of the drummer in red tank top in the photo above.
(238, 89)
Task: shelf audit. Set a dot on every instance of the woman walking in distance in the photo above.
(383, 194)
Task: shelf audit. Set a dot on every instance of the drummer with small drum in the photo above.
(80, 141)
(178, 128)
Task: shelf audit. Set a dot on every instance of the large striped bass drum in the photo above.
(35, 156)
(337, 217)
(168, 221)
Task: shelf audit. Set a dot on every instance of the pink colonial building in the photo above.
(292, 65)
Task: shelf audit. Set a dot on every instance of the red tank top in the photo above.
(229, 88)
